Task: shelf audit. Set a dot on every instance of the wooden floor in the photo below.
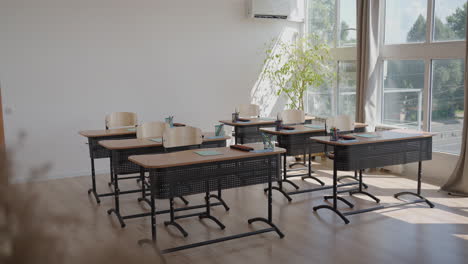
(411, 234)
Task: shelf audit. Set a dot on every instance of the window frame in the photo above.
(339, 54)
(427, 51)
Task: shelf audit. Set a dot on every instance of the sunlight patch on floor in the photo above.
(419, 215)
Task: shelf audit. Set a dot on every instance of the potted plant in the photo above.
(293, 67)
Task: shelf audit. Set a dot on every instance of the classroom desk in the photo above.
(379, 149)
(96, 151)
(120, 150)
(249, 132)
(186, 173)
(297, 142)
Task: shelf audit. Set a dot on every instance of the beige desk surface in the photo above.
(383, 136)
(144, 143)
(189, 157)
(301, 129)
(107, 133)
(257, 121)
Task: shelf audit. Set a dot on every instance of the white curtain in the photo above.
(367, 61)
(458, 181)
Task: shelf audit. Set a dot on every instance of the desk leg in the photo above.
(280, 181)
(116, 210)
(236, 133)
(112, 178)
(269, 221)
(219, 197)
(377, 200)
(207, 214)
(153, 219)
(143, 187)
(310, 172)
(335, 197)
(172, 220)
(285, 176)
(153, 225)
(355, 178)
(93, 190)
(419, 177)
(418, 194)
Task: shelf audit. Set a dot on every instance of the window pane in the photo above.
(320, 99)
(347, 26)
(319, 104)
(447, 104)
(405, 21)
(321, 19)
(347, 88)
(403, 93)
(449, 20)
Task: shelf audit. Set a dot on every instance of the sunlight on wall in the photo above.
(263, 92)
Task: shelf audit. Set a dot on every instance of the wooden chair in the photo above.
(292, 116)
(151, 130)
(121, 119)
(249, 110)
(344, 123)
(182, 138)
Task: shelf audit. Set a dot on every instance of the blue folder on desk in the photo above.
(366, 135)
(348, 141)
(131, 129)
(262, 150)
(315, 126)
(214, 137)
(208, 152)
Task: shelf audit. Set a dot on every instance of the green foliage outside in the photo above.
(447, 75)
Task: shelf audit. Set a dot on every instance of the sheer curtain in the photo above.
(458, 181)
(367, 61)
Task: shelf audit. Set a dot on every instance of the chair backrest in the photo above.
(151, 130)
(182, 136)
(344, 123)
(121, 119)
(249, 110)
(293, 116)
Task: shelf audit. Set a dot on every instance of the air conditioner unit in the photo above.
(277, 9)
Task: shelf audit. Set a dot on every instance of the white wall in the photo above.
(64, 64)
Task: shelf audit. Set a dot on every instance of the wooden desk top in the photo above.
(189, 157)
(134, 143)
(382, 136)
(107, 133)
(257, 121)
(302, 129)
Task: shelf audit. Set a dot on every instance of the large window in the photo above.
(403, 93)
(423, 68)
(447, 104)
(335, 22)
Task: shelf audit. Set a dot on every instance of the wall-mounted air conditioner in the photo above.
(277, 9)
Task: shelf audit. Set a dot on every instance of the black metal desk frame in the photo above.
(297, 144)
(97, 151)
(120, 165)
(380, 154)
(206, 177)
